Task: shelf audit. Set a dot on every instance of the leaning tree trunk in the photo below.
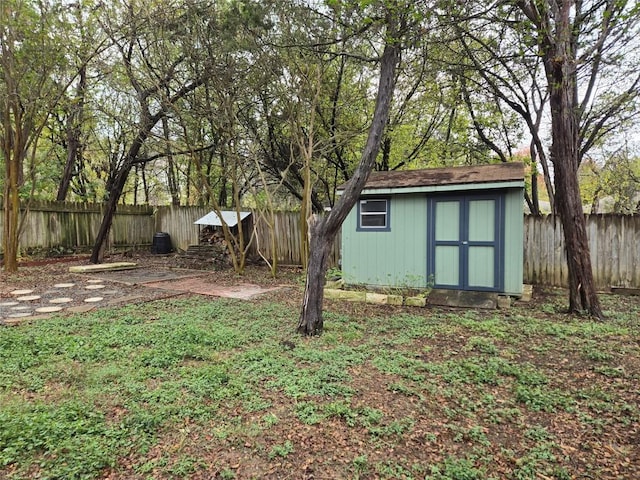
(74, 137)
(97, 253)
(320, 246)
(323, 231)
(117, 187)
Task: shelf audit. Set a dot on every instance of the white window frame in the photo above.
(386, 214)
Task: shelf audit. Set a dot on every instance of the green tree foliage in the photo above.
(614, 186)
(398, 20)
(575, 61)
(213, 103)
(34, 75)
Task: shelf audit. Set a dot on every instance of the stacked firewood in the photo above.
(210, 236)
(212, 248)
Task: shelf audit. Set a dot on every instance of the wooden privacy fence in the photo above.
(614, 243)
(178, 223)
(288, 238)
(70, 225)
(67, 225)
(614, 239)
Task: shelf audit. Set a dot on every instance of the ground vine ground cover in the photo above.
(198, 387)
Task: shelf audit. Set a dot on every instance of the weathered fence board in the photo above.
(614, 242)
(288, 238)
(49, 225)
(66, 225)
(614, 239)
(178, 223)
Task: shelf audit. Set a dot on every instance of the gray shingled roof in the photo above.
(501, 172)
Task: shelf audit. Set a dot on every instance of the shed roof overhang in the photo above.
(230, 218)
(477, 177)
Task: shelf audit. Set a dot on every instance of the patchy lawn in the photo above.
(199, 387)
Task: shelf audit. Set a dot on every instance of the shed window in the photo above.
(373, 214)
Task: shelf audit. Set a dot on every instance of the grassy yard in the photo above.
(209, 388)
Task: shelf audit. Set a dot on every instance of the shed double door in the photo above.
(465, 235)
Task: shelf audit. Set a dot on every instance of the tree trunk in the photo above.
(97, 253)
(11, 215)
(534, 207)
(136, 182)
(324, 230)
(561, 76)
(74, 137)
(13, 150)
(67, 174)
(173, 182)
(311, 322)
(386, 154)
(117, 186)
(583, 296)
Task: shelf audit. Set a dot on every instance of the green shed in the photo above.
(457, 228)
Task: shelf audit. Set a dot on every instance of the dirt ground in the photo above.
(45, 286)
(598, 440)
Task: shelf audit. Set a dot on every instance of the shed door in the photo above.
(465, 242)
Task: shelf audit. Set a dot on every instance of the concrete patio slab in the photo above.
(142, 276)
(83, 292)
(244, 291)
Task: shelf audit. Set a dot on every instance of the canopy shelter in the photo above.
(230, 217)
(210, 226)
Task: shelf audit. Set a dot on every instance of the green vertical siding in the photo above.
(447, 271)
(447, 221)
(481, 267)
(513, 239)
(397, 257)
(482, 220)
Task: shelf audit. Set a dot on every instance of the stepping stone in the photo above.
(93, 299)
(48, 309)
(94, 287)
(95, 280)
(8, 304)
(20, 315)
(64, 285)
(21, 292)
(28, 298)
(60, 300)
(20, 308)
